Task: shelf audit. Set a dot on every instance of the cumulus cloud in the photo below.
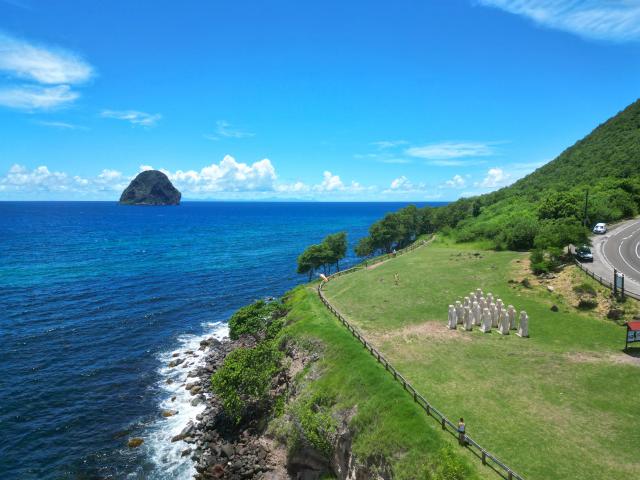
(225, 179)
(330, 182)
(403, 185)
(456, 182)
(496, 177)
(616, 20)
(133, 116)
(51, 70)
(19, 179)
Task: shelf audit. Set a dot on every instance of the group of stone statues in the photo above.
(483, 312)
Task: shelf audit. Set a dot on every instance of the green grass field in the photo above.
(561, 404)
(387, 423)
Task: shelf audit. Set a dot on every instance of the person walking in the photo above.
(396, 278)
(462, 440)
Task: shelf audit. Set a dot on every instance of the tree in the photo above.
(558, 205)
(364, 248)
(337, 243)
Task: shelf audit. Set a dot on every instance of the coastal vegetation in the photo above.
(336, 403)
(324, 255)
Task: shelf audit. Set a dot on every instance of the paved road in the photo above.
(619, 248)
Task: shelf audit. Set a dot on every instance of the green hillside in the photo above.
(612, 150)
(547, 207)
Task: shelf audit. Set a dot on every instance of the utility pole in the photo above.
(586, 205)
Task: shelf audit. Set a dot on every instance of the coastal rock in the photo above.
(135, 442)
(150, 187)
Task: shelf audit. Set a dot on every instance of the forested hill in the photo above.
(611, 150)
(546, 207)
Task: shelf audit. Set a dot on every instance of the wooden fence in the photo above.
(603, 281)
(487, 458)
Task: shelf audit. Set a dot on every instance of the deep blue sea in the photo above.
(95, 298)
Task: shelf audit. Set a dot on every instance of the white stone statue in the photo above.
(489, 297)
(466, 302)
(485, 326)
(503, 323)
(511, 314)
(467, 320)
(478, 294)
(499, 305)
(459, 312)
(476, 313)
(523, 329)
(494, 315)
(452, 320)
(483, 303)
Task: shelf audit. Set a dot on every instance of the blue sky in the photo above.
(358, 100)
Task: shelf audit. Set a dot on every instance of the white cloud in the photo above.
(226, 179)
(60, 125)
(330, 182)
(224, 129)
(496, 177)
(384, 144)
(446, 152)
(45, 65)
(456, 182)
(52, 71)
(20, 179)
(226, 176)
(616, 20)
(32, 97)
(133, 116)
(403, 185)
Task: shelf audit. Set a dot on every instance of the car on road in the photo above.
(600, 228)
(584, 254)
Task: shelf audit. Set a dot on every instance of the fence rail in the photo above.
(487, 457)
(603, 281)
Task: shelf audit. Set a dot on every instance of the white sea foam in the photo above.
(167, 456)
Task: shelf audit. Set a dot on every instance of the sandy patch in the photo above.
(430, 330)
(614, 358)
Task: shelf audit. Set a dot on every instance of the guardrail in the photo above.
(487, 457)
(603, 281)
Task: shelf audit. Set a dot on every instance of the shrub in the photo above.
(585, 288)
(255, 319)
(587, 303)
(244, 379)
(448, 466)
(316, 425)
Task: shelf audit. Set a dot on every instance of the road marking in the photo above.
(637, 247)
(623, 259)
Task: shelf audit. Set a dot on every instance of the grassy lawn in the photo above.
(386, 421)
(561, 404)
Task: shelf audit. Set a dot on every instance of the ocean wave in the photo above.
(165, 455)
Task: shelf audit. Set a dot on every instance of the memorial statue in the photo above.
(451, 322)
(523, 329)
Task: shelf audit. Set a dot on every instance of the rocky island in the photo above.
(150, 187)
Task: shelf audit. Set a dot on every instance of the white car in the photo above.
(600, 228)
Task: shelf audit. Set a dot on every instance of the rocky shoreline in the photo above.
(218, 449)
